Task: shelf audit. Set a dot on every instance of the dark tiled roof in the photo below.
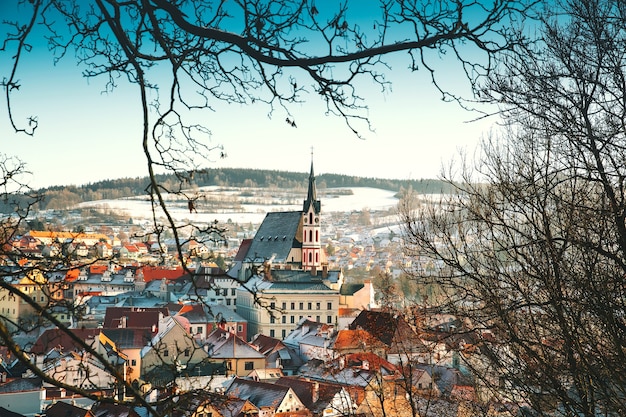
(275, 237)
(299, 286)
(350, 289)
(304, 390)
(113, 410)
(261, 394)
(52, 338)
(135, 317)
(8, 413)
(385, 326)
(21, 384)
(129, 338)
(63, 409)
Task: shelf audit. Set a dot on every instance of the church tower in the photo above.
(311, 227)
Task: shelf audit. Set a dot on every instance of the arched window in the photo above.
(311, 218)
(310, 257)
(310, 235)
(317, 257)
(317, 236)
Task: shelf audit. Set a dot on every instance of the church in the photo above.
(283, 272)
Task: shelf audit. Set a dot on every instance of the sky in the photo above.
(86, 135)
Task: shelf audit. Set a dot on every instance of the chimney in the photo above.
(315, 395)
(325, 271)
(314, 270)
(267, 270)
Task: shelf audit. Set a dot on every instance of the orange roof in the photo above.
(98, 269)
(151, 273)
(347, 339)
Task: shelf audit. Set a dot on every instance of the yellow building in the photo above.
(14, 305)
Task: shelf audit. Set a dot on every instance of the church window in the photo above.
(310, 257)
(317, 236)
(310, 217)
(310, 235)
(317, 257)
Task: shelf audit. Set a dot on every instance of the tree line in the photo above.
(63, 197)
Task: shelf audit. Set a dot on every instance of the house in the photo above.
(277, 354)
(14, 309)
(323, 399)
(123, 347)
(23, 396)
(357, 295)
(362, 374)
(213, 286)
(204, 318)
(172, 347)
(240, 358)
(402, 342)
(81, 370)
(271, 399)
(312, 340)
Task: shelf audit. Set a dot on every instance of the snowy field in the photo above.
(334, 201)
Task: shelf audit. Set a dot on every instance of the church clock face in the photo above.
(317, 220)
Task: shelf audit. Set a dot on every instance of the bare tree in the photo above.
(190, 56)
(532, 248)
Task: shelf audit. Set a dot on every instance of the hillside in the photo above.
(62, 197)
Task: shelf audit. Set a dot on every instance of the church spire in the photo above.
(311, 198)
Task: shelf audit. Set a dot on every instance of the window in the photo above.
(186, 353)
(310, 305)
(133, 362)
(329, 319)
(318, 306)
(239, 328)
(272, 319)
(284, 333)
(329, 306)
(284, 306)
(166, 353)
(228, 301)
(284, 319)
(317, 319)
(272, 333)
(272, 305)
(233, 291)
(293, 306)
(199, 330)
(248, 366)
(293, 319)
(301, 306)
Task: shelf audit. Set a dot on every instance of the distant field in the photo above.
(249, 205)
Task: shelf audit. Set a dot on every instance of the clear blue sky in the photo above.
(85, 135)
